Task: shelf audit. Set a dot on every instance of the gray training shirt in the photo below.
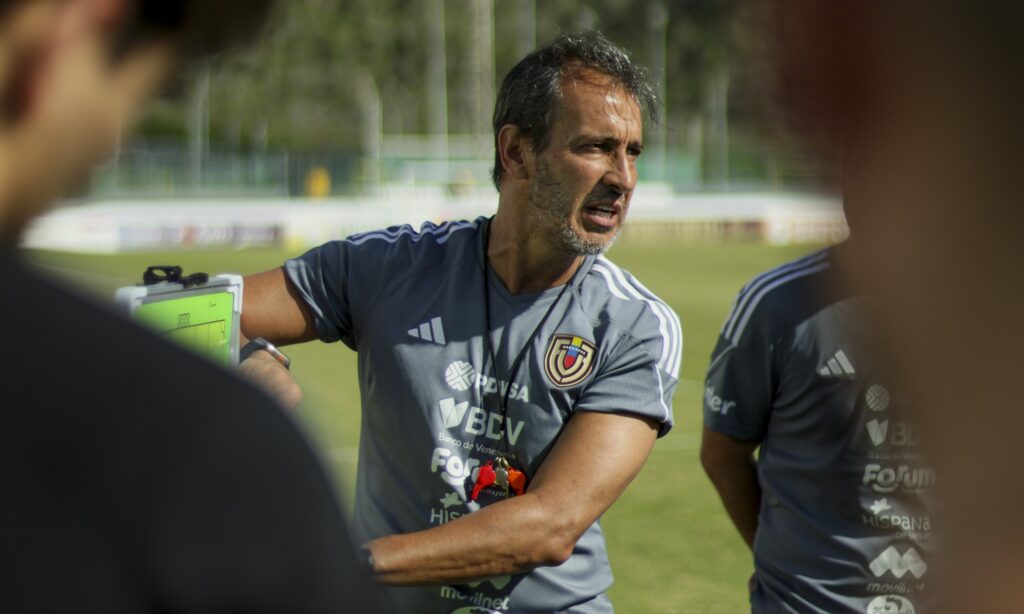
(412, 305)
(843, 525)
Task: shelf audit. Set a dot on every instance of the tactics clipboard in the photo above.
(199, 312)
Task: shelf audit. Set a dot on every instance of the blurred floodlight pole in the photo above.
(586, 18)
(526, 39)
(484, 81)
(657, 25)
(198, 126)
(437, 81)
(373, 125)
(719, 103)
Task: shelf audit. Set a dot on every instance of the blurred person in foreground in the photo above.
(513, 379)
(835, 508)
(135, 476)
(928, 95)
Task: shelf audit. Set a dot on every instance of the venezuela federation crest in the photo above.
(569, 360)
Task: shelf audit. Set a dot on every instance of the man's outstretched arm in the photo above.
(273, 309)
(594, 459)
(730, 465)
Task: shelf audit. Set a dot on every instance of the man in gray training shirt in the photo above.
(834, 508)
(513, 380)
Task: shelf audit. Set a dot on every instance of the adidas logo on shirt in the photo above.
(837, 366)
(432, 331)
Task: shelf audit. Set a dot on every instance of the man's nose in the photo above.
(621, 172)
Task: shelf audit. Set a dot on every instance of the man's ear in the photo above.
(515, 151)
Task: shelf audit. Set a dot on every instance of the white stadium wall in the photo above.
(656, 215)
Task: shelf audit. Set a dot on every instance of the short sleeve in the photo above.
(738, 388)
(640, 378)
(337, 281)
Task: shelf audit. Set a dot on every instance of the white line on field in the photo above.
(81, 276)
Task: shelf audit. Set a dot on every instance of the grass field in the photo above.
(672, 547)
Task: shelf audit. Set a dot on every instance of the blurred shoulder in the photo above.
(773, 297)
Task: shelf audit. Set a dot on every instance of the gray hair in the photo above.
(530, 90)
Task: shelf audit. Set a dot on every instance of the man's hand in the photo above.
(263, 370)
(272, 309)
(540, 527)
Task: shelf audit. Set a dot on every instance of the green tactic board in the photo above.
(203, 318)
(198, 322)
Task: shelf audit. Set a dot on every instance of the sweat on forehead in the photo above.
(579, 92)
(576, 73)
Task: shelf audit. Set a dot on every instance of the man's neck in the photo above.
(522, 258)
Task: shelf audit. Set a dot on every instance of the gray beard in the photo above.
(550, 209)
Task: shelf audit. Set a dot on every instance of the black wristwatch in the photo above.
(259, 343)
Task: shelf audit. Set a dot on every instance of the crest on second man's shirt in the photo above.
(569, 360)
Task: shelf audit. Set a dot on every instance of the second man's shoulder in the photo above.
(779, 296)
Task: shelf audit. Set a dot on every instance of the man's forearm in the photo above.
(511, 536)
(538, 528)
(740, 492)
(730, 465)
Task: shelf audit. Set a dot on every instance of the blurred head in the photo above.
(568, 128)
(74, 74)
(927, 97)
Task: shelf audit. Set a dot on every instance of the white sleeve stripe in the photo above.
(766, 289)
(783, 267)
(667, 327)
(361, 238)
(669, 349)
(671, 336)
(663, 360)
(454, 228)
(669, 312)
(661, 395)
(608, 280)
(740, 308)
(753, 285)
(391, 236)
(442, 232)
(744, 293)
(674, 345)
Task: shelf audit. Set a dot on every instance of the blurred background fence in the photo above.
(379, 112)
(458, 164)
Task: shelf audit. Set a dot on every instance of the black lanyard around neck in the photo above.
(504, 396)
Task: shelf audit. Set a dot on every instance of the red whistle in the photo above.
(485, 477)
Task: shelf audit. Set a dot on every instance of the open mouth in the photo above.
(602, 216)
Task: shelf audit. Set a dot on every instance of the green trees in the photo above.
(326, 66)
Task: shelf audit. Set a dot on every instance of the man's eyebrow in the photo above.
(600, 138)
